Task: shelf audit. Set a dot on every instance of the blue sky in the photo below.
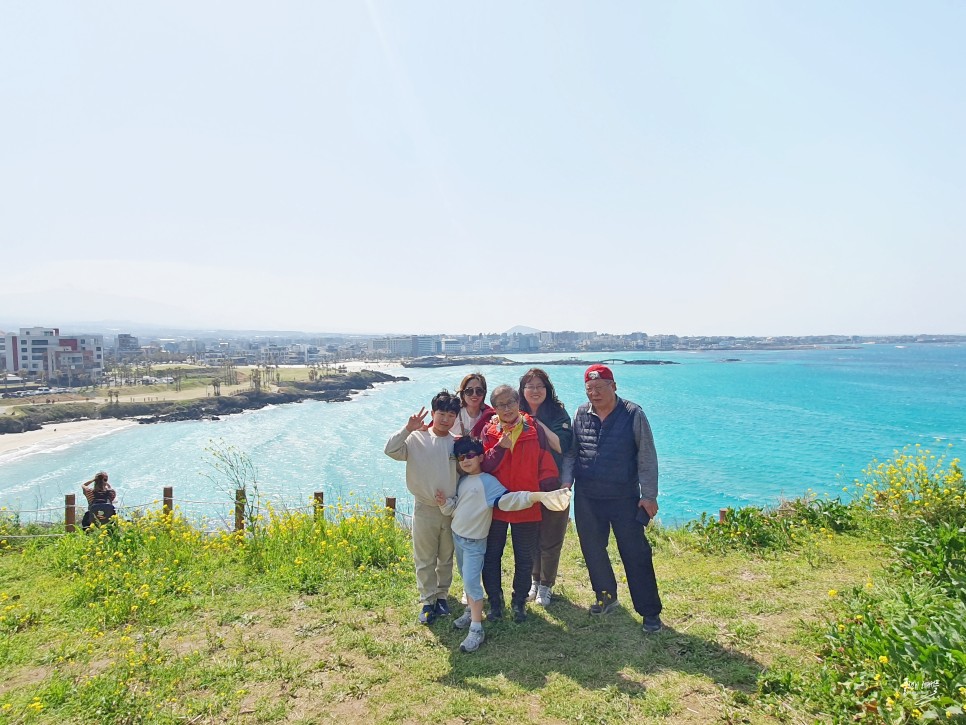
(691, 168)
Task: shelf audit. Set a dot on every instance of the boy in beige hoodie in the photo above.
(427, 449)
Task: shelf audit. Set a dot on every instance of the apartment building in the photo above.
(43, 351)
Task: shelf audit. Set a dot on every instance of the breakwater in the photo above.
(489, 360)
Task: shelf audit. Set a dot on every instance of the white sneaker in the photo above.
(543, 595)
(474, 639)
(463, 599)
(532, 594)
(463, 621)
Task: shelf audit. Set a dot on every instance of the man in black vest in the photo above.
(613, 466)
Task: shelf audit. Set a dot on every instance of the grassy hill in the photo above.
(820, 611)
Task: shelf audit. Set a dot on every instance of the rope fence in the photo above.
(230, 521)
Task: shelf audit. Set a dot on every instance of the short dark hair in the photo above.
(446, 402)
(467, 444)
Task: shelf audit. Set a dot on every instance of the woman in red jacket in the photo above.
(517, 453)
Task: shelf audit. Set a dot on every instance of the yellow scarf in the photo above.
(513, 430)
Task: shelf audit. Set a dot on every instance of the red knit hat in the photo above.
(598, 372)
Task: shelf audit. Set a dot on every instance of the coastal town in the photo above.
(48, 356)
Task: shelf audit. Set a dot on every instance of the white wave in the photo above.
(60, 443)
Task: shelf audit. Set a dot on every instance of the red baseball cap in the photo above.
(598, 372)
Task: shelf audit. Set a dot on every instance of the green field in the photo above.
(821, 611)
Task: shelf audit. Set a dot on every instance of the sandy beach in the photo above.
(14, 444)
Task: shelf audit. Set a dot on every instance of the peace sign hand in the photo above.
(417, 421)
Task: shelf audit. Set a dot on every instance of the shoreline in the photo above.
(84, 426)
(52, 435)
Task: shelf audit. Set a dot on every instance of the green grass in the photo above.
(313, 620)
(124, 640)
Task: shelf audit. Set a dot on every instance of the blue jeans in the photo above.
(469, 560)
(594, 518)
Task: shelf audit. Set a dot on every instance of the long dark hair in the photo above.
(551, 406)
(100, 481)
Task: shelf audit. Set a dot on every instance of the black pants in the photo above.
(524, 540)
(595, 517)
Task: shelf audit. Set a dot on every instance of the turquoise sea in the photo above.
(728, 433)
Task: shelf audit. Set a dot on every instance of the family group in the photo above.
(479, 472)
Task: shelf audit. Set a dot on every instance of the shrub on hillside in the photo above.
(914, 485)
(750, 528)
(894, 656)
(897, 653)
(934, 555)
(304, 550)
(823, 513)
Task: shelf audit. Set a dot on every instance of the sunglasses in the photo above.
(467, 456)
(474, 391)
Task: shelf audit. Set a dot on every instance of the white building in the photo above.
(44, 351)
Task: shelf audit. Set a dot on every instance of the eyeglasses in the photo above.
(467, 456)
(474, 391)
(599, 388)
(534, 388)
(508, 405)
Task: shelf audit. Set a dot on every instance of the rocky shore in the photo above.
(478, 361)
(335, 388)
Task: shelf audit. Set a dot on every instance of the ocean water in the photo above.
(768, 426)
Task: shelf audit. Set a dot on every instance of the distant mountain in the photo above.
(522, 330)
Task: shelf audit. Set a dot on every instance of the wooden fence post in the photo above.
(391, 507)
(240, 509)
(70, 516)
(319, 503)
(167, 496)
(722, 515)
